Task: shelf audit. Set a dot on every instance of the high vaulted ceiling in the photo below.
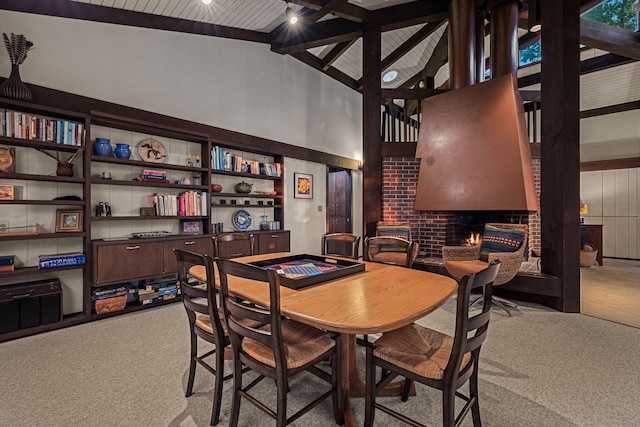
(328, 35)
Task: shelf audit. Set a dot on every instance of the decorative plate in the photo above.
(151, 150)
(241, 220)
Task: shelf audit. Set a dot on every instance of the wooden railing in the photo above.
(399, 124)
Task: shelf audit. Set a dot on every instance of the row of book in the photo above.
(223, 159)
(61, 260)
(156, 292)
(16, 124)
(150, 175)
(115, 297)
(188, 203)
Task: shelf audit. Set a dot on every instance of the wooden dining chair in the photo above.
(205, 321)
(390, 250)
(233, 245)
(341, 244)
(279, 349)
(433, 358)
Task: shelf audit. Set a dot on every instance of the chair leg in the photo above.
(502, 306)
(336, 398)
(448, 407)
(192, 363)
(369, 389)
(476, 301)
(281, 412)
(473, 394)
(504, 301)
(237, 386)
(406, 389)
(218, 386)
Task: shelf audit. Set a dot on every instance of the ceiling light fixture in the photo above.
(206, 1)
(290, 14)
(390, 76)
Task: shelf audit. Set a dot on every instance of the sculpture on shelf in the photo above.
(65, 168)
(13, 87)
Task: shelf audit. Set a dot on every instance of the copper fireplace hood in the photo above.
(474, 151)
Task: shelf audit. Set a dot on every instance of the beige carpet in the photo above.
(539, 368)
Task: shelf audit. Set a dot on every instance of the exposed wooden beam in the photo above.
(327, 8)
(530, 95)
(603, 165)
(611, 109)
(306, 17)
(335, 53)
(438, 59)
(319, 34)
(345, 10)
(336, 74)
(410, 43)
(407, 14)
(605, 37)
(95, 13)
(410, 93)
(587, 66)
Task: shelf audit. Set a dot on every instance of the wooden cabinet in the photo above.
(115, 262)
(273, 241)
(198, 244)
(592, 234)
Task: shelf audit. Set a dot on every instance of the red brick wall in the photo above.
(429, 229)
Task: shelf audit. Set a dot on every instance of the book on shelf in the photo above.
(146, 179)
(17, 124)
(61, 260)
(187, 203)
(223, 159)
(7, 263)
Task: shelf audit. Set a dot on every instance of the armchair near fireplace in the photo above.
(382, 247)
(506, 242)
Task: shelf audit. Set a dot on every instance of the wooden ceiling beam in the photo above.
(319, 34)
(605, 37)
(332, 72)
(344, 10)
(335, 53)
(407, 14)
(438, 59)
(410, 43)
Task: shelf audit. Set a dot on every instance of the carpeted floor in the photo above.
(538, 368)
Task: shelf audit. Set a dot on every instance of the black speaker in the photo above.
(50, 308)
(29, 312)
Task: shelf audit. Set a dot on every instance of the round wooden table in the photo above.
(380, 299)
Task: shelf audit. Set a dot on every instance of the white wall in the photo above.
(613, 136)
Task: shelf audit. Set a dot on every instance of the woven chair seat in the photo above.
(399, 258)
(302, 344)
(203, 321)
(417, 349)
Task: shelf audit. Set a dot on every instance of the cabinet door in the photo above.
(199, 245)
(275, 241)
(127, 261)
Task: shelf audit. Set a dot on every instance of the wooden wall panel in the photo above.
(608, 236)
(608, 193)
(622, 236)
(621, 185)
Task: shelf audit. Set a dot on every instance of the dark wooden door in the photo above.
(339, 208)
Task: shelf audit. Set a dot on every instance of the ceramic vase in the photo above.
(102, 147)
(14, 88)
(123, 151)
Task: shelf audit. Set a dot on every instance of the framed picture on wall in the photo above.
(303, 186)
(191, 226)
(69, 221)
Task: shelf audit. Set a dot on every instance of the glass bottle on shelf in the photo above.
(264, 222)
(196, 174)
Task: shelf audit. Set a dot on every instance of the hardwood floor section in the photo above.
(612, 292)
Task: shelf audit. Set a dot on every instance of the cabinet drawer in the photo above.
(200, 245)
(127, 261)
(274, 241)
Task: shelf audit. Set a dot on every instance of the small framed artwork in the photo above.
(6, 192)
(7, 159)
(69, 221)
(303, 186)
(191, 226)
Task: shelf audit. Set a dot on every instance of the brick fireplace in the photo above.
(432, 230)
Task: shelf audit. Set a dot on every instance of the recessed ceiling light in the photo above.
(206, 1)
(390, 76)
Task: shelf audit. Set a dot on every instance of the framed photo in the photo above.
(191, 226)
(7, 159)
(68, 221)
(303, 186)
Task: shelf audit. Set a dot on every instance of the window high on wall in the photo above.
(617, 13)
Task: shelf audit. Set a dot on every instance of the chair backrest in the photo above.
(233, 245)
(391, 229)
(373, 246)
(470, 332)
(486, 247)
(237, 312)
(198, 297)
(345, 238)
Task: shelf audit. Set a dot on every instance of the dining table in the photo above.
(379, 299)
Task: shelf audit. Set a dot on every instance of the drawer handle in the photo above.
(192, 242)
(274, 236)
(28, 294)
(133, 248)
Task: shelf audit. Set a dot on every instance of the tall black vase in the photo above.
(14, 88)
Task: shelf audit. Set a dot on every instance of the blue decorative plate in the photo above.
(241, 220)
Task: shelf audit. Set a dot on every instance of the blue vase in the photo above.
(102, 147)
(123, 151)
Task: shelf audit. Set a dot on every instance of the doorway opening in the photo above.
(339, 207)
